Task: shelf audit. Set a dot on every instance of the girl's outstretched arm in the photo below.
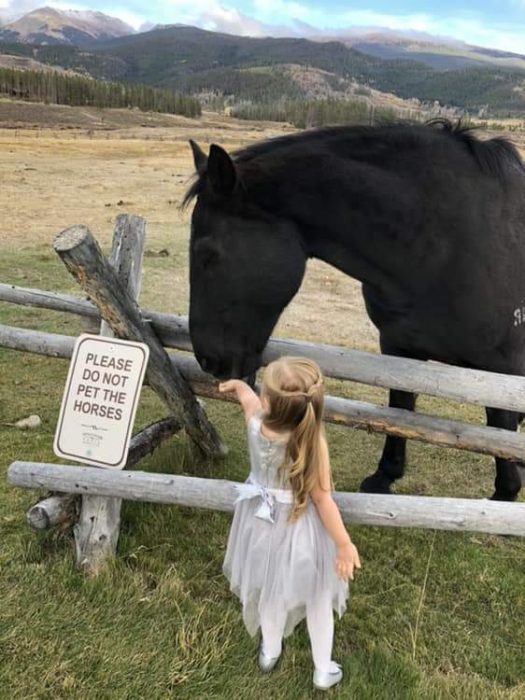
(246, 396)
(347, 557)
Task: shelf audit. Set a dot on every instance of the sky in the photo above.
(496, 24)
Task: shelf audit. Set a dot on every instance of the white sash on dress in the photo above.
(252, 489)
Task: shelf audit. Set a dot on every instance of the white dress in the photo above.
(268, 561)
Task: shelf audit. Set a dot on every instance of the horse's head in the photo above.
(245, 266)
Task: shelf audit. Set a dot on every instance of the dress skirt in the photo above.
(280, 567)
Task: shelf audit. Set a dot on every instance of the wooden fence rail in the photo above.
(445, 381)
(356, 414)
(56, 509)
(457, 514)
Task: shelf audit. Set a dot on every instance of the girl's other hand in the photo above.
(346, 561)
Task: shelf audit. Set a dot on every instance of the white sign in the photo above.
(100, 400)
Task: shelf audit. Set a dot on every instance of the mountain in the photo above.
(439, 53)
(239, 68)
(85, 28)
(196, 60)
(50, 26)
(169, 53)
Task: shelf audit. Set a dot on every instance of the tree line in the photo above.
(312, 113)
(61, 88)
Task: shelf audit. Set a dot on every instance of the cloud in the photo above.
(231, 21)
(10, 10)
(134, 19)
(295, 18)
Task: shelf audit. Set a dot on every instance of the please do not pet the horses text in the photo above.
(100, 400)
(102, 391)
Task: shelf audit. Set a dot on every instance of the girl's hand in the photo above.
(244, 394)
(228, 386)
(346, 560)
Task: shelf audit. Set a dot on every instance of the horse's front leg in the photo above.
(508, 478)
(392, 462)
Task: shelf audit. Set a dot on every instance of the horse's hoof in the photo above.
(503, 496)
(376, 483)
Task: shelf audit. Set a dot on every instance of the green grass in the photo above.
(432, 615)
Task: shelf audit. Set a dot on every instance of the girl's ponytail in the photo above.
(294, 387)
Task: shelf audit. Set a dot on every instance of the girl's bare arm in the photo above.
(347, 555)
(246, 396)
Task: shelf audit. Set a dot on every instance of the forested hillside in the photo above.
(102, 66)
(59, 88)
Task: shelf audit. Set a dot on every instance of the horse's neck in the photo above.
(358, 219)
(359, 245)
(338, 253)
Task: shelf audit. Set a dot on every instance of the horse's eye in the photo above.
(207, 252)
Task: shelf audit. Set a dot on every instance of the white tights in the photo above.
(320, 624)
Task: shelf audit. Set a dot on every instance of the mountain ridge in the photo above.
(47, 25)
(74, 27)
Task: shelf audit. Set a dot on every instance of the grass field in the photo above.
(432, 615)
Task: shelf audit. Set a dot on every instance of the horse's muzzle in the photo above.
(238, 368)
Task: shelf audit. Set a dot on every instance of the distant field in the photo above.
(433, 616)
(123, 122)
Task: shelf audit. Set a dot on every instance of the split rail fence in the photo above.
(113, 287)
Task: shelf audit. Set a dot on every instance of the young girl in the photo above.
(289, 555)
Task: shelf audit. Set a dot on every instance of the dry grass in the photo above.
(63, 178)
(433, 616)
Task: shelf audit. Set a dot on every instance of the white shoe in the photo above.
(323, 680)
(267, 663)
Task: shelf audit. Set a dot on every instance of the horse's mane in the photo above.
(497, 157)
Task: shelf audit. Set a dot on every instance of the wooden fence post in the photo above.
(98, 527)
(83, 258)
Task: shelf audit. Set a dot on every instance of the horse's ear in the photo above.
(199, 157)
(221, 171)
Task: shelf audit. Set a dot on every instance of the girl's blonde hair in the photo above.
(294, 390)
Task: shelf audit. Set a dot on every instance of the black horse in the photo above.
(429, 218)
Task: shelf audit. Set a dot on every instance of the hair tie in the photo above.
(315, 387)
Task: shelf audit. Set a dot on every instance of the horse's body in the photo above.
(430, 220)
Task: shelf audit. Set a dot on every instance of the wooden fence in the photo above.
(113, 288)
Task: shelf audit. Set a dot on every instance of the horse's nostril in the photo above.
(204, 363)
